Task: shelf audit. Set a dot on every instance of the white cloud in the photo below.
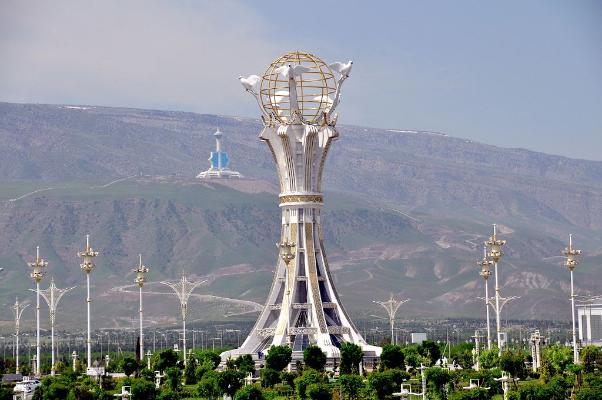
(133, 53)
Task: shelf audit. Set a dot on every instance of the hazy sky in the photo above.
(510, 73)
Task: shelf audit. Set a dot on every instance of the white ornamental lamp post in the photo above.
(571, 262)
(18, 311)
(494, 246)
(140, 271)
(37, 274)
(53, 296)
(74, 359)
(183, 289)
(535, 341)
(148, 359)
(391, 306)
(485, 273)
(477, 350)
(87, 266)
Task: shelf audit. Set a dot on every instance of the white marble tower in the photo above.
(297, 96)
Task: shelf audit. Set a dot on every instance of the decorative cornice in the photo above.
(301, 198)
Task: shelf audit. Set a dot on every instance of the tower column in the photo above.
(297, 95)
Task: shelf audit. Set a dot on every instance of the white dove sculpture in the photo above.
(250, 83)
(290, 71)
(343, 69)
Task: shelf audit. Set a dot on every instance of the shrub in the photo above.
(351, 385)
(319, 391)
(251, 392)
(269, 377)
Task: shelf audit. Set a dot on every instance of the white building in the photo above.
(418, 337)
(589, 317)
(219, 162)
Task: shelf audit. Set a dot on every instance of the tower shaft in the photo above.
(303, 306)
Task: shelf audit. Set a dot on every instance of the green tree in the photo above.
(129, 365)
(201, 370)
(474, 394)
(351, 386)
(25, 370)
(351, 357)
(269, 377)
(554, 360)
(314, 357)
(278, 357)
(288, 378)
(245, 364)
(211, 356)
(392, 357)
(513, 362)
(6, 394)
(251, 392)
(381, 384)
(168, 394)
(165, 359)
(489, 358)
(412, 356)
(591, 358)
(437, 378)
(229, 381)
(147, 374)
(190, 376)
(56, 391)
(208, 387)
(430, 350)
(309, 377)
(174, 378)
(319, 391)
(143, 390)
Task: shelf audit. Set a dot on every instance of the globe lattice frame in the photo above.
(315, 88)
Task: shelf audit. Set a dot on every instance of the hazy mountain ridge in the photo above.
(418, 171)
(415, 209)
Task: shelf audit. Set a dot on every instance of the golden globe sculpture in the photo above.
(298, 88)
(314, 87)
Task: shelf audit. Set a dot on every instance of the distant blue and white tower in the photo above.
(219, 162)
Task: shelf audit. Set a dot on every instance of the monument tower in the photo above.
(219, 162)
(298, 95)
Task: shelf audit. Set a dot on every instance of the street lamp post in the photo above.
(140, 271)
(571, 262)
(485, 273)
(87, 266)
(183, 289)
(494, 245)
(18, 311)
(37, 274)
(53, 295)
(391, 306)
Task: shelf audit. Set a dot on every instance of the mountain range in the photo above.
(406, 213)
